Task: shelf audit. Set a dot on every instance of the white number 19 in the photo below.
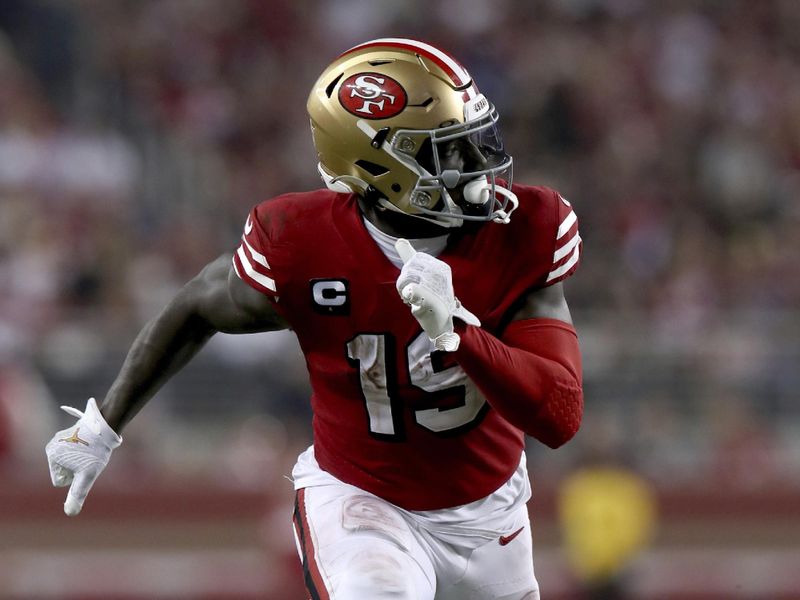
(372, 352)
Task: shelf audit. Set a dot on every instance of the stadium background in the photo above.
(134, 137)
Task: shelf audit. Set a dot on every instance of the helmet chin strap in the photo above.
(504, 216)
(443, 221)
(478, 192)
(340, 183)
(475, 192)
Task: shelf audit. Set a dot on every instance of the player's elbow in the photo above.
(559, 418)
(558, 436)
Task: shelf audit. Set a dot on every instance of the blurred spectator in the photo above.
(607, 516)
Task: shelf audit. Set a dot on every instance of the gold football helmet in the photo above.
(383, 114)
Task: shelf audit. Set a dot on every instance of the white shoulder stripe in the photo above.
(565, 249)
(263, 280)
(258, 257)
(568, 222)
(555, 273)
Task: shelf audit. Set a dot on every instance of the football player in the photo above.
(416, 483)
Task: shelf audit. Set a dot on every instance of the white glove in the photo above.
(426, 284)
(79, 454)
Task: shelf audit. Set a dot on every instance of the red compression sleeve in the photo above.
(532, 377)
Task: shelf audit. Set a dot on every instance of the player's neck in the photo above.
(387, 243)
(399, 225)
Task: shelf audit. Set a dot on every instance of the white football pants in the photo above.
(356, 546)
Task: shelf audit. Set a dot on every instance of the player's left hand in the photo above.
(426, 284)
(79, 454)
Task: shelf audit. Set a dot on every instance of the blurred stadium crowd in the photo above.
(135, 136)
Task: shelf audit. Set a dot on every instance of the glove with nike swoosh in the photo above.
(426, 284)
(79, 454)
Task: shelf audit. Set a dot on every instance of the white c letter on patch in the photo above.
(329, 292)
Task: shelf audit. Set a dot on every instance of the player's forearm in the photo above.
(532, 377)
(161, 349)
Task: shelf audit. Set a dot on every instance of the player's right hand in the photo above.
(426, 285)
(79, 454)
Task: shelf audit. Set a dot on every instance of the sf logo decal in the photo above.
(330, 296)
(372, 96)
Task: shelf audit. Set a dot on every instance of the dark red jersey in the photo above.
(392, 415)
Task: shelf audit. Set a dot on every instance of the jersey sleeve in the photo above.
(250, 260)
(567, 244)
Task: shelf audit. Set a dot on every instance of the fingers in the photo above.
(404, 249)
(60, 476)
(409, 294)
(419, 301)
(78, 491)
